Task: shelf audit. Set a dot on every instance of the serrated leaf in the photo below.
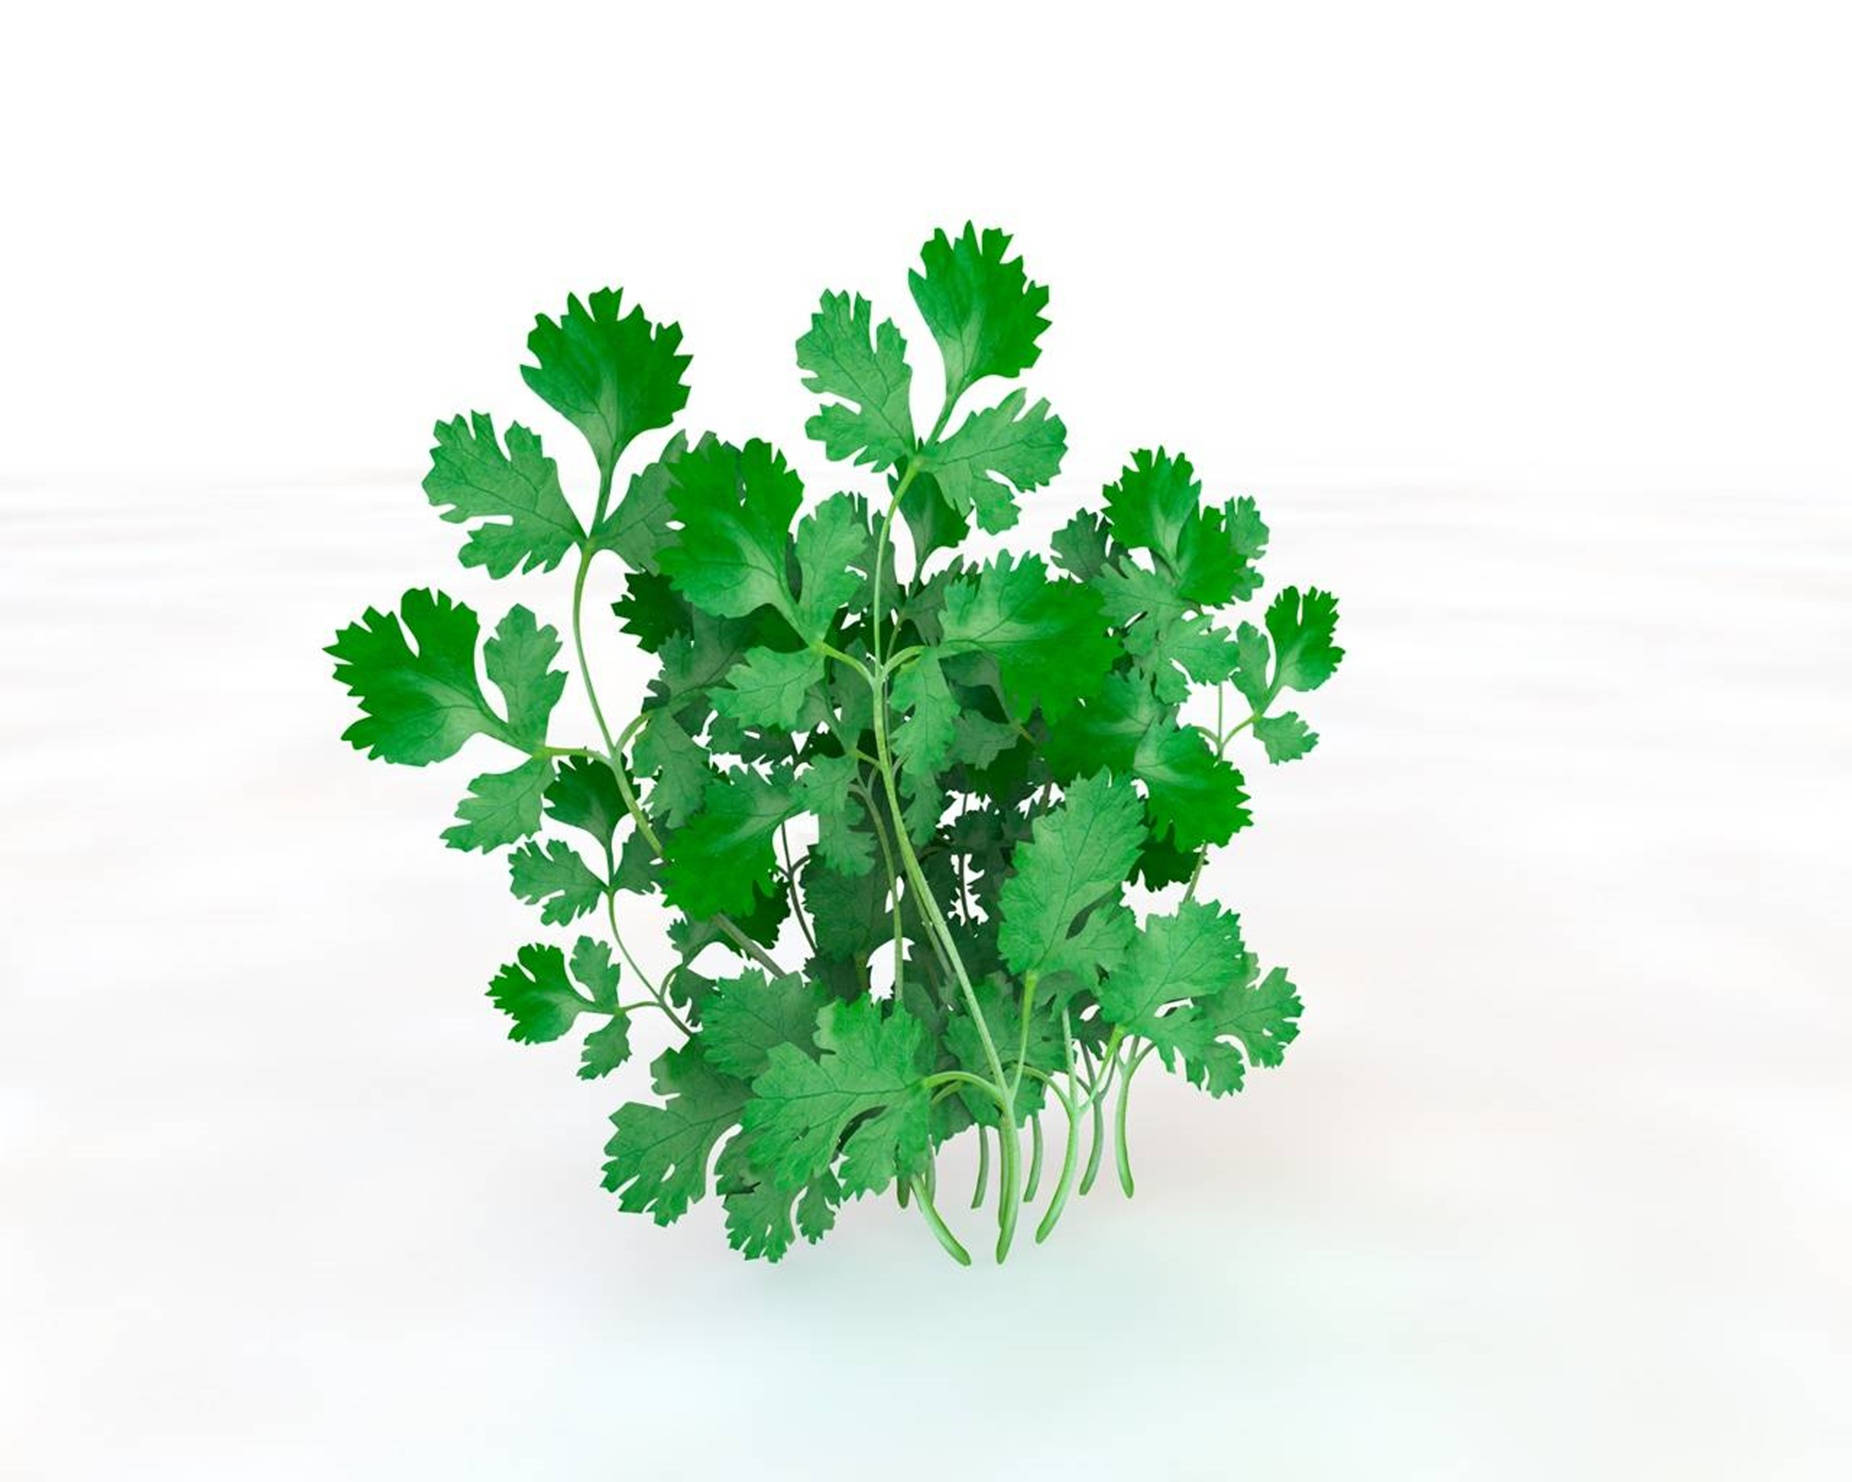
(536, 994)
(768, 688)
(835, 554)
(846, 357)
(551, 875)
(1195, 797)
(1286, 736)
(748, 1016)
(996, 454)
(1077, 857)
(657, 1157)
(762, 1223)
(801, 1106)
(849, 913)
(527, 523)
(421, 706)
(713, 863)
(636, 526)
(517, 659)
(650, 611)
(1187, 985)
(1047, 636)
(584, 795)
(979, 304)
(605, 1049)
(1253, 655)
(501, 807)
(1157, 506)
(824, 788)
(612, 375)
(1083, 546)
(665, 751)
(1303, 627)
(923, 740)
(735, 506)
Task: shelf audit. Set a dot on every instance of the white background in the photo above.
(1528, 327)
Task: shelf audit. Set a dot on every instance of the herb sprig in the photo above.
(988, 753)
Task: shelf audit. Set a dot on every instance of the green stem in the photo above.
(1034, 1180)
(983, 1167)
(938, 1226)
(1122, 1151)
(797, 910)
(1070, 1158)
(586, 552)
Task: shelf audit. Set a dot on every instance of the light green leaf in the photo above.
(528, 525)
(657, 1157)
(866, 369)
(994, 455)
(1286, 736)
(835, 554)
(1047, 636)
(735, 506)
(801, 1106)
(768, 688)
(536, 994)
(749, 1016)
(554, 877)
(1078, 857)
(637, 525)
(517, 660)
(501, 807)
(664, 750)
(824, 788)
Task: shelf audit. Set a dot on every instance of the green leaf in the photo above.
(657, 1157)
(1083, 546)
(612, 375)
(768, 689)
(824, 788)
(528, 525)
(650, 611)
(980, 306)
(1156, 506)
(761, 1223)
(714, 862)
(501, 807)
(416, 707)
(923, 741)
(1253, 654)
(749, 1016)
(849, 913)
(1078, 857)
(536, 994)
(665, 751)
(994, 455)
(735, 506)
(637, 525)
(605, 1049)
(554, 877)
(835, 554)
(1286, 736)
(584, 795)
(801, 1106)
(1183, 649)
(866, 369)
(1187, 985)
(1194, 796)
(517, 660)
(1303, 628)
(1047, 636)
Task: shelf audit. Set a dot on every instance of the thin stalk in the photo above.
(1034, 1180)
(939, 1228)
(983, 1167)
(797, 910)
(1123, 1152)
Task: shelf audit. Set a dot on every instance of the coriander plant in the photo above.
(891, 797)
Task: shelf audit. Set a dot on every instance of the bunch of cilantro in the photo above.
(976, 758)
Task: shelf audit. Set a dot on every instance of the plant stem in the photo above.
(938, 1226)
(983, 1166)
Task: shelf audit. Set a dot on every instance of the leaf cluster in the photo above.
(887, 797)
